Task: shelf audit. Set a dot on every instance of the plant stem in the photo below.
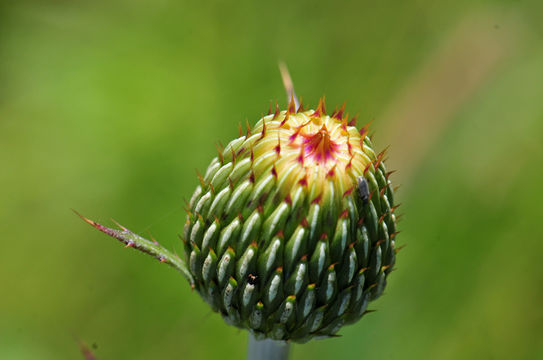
(149, 247)
(267, 349)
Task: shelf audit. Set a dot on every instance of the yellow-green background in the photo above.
(109, 107)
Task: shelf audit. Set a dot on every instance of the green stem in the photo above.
(267, 349)
(149, 247)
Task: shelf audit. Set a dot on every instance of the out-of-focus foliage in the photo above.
(109, 107)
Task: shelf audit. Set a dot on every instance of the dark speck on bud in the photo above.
(363, 189)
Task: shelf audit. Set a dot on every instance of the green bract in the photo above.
(290, 233)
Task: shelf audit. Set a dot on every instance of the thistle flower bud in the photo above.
(290, 233)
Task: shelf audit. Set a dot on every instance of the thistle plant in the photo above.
(291, 231)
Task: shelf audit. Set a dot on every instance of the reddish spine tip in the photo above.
(344, 214)
(291, 109)
(301, 107)
(301, 156)
(318, 199)
(288, 199)
(248, 128)
(339, 114)
(348, 192)
(387, 175)
(324, 236)
(331, 172)
(252, 177)
(360, 221)
(263, 133)
(321, 108)
(274, 171)
(304, 222)
(277, 112)
(287, 116)
(303, 181)
(303, 258)
(353, 121)
(280, 234)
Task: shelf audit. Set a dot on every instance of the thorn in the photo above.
(291, 108)
(252, 177)
(344, 214)
(331, 172)
(349, 146)
(367, 168)
(240, 130)
(303, 181)
(387, 175)
(151, 236)
(278, 146)
(270, 108)
(321, 108)
(119, 225)
(248, 127)
(231, 183)
(392, 209)
(339, 114)
(288, 199)
(277, 111)
(301, 157)
(353, 121)
(324, 236)
(293, 137)
(274, 171)
(399, 248)
(394, 234)
(263, 129)
(287, 116)
(201, 179)
(304, 222)
(361, 221)
(350, 163)
(317, 200)
(220, 151)
(364, 130)
(348, 192)
(301, 107)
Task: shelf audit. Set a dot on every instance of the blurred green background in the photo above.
(109, 107)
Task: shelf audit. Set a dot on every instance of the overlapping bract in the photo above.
(291, 231)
